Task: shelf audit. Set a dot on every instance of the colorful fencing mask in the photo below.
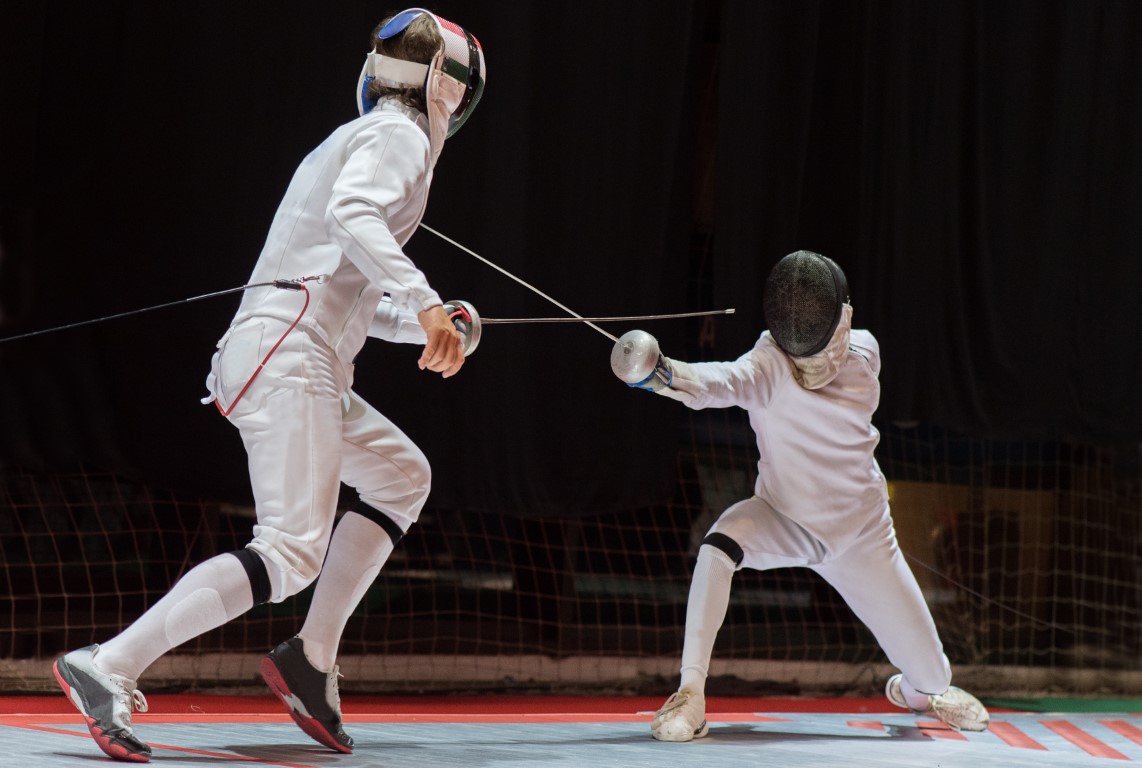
(453, 81)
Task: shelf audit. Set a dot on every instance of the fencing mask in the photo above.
(453, 81)
(804, 297)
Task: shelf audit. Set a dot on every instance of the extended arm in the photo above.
(747, 382)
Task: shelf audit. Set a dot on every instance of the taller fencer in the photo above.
(810, 386)
(283, 374)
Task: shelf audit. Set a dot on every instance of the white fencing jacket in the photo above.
(816, 447)
(352, 204)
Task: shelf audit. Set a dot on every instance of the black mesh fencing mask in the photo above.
(803, 298)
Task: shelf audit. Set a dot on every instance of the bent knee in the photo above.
(289, 571)
(402, 492)
(727, 545)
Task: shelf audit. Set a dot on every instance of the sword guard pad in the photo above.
(467, 320)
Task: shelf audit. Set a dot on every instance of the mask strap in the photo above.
(400, 22)
(397, 73)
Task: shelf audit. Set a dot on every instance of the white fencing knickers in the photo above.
(870, 574)
(305, 432)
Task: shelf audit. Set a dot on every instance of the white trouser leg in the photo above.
(768, 540)
(380, 462)
(876, 583)
(290, 423)
(392, 476)
(294, 449)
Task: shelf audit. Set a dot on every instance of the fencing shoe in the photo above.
(681, 718)
(106, 702)
(311, 695)
(955, 707)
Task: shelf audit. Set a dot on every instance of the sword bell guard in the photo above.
(467, 320)
(635, 356)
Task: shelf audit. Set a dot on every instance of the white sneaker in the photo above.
(106, 702)
(955, 707)
(681, 718)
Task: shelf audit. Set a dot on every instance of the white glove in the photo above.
(636, 360)
(659, 378)
(684, 385)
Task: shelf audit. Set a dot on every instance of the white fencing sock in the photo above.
(207, 596)
(357, 552)
(705, 612)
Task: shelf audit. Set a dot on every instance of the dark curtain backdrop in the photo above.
(974, 166)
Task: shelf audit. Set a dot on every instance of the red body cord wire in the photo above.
(266, 359)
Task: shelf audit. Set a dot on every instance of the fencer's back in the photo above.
(351, 205)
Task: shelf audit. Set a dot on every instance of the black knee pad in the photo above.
(259, 577)
(723, 542)
(380, 518)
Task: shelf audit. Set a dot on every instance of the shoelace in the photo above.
(130, 698)
(946, 709)
(676, 700)
(331, 686)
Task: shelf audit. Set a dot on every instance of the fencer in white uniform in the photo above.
(283, 375)
(810, 387)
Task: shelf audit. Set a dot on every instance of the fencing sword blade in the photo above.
(524, 283)
(614, 319)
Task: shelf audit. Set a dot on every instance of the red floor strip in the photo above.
(1013, 736)
(1123, 728)
(229, 756)
(1083, 740)
(165, 706)
(934, 729)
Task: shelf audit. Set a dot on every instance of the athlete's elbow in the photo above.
(344, 215)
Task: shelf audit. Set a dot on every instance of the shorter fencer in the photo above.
(810, 386)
